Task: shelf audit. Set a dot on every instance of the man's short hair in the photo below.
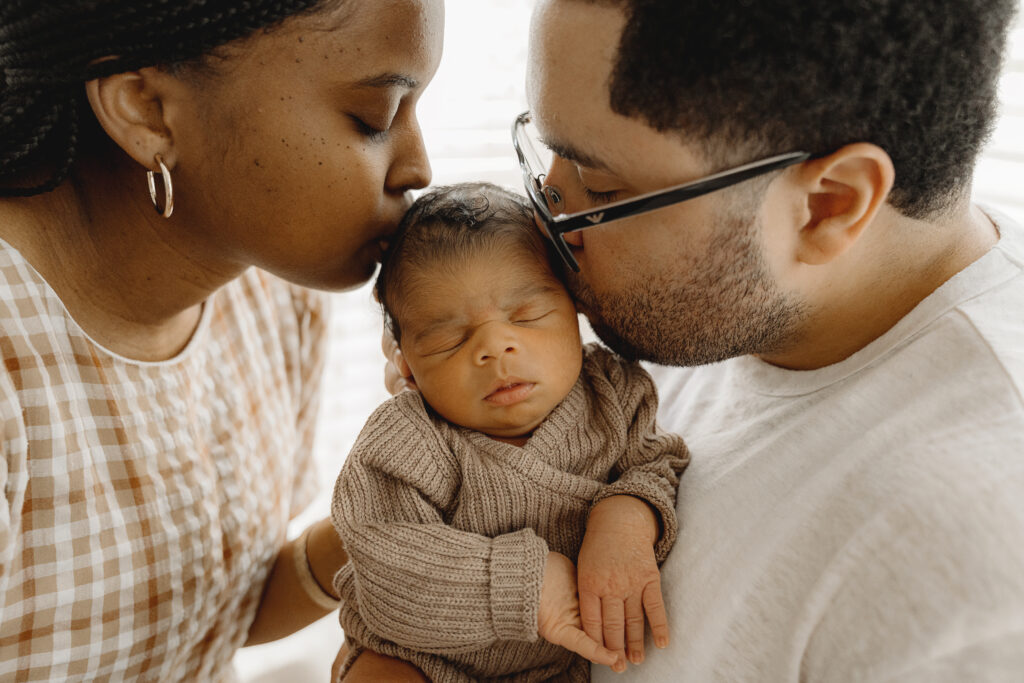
(918, 78)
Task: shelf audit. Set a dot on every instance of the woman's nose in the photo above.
(411, 167)
(493, 341)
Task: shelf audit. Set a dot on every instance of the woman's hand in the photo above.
(397, 375)
(558, 620)
(619, 581)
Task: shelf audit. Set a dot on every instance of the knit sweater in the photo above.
(448, 530)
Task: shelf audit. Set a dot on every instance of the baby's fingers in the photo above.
(574, 639)
(590, 615)
(654, 606)
(635, 629)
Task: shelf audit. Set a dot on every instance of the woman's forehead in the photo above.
(358, 42)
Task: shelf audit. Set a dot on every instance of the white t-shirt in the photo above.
(864, 521)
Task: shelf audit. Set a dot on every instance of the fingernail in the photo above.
(661, 643)
(636, 657)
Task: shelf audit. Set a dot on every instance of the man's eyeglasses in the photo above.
(535, 160)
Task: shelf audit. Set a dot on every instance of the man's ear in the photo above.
(844, 192)
(131, 107)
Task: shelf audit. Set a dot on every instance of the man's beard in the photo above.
(724, 305)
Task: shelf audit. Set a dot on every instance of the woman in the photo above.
(158, 394)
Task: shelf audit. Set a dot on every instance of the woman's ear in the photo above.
(132, 108)
(844, 192)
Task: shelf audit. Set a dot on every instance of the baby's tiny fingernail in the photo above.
(661, 643)
(636, 657)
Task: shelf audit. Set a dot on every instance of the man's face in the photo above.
(688, 284)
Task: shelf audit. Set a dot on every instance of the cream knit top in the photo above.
(448, 530)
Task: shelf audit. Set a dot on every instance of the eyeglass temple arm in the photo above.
(657, 200)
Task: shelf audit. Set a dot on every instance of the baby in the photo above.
(463, 506)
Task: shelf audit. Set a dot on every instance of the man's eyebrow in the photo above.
(389, 80)
(576, 156)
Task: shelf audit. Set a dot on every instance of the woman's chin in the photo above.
(333, 277)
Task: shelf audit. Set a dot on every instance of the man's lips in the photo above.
(507, 392)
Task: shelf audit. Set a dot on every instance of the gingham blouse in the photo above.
(144, 503)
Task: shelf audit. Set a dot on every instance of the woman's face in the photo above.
(302, 146)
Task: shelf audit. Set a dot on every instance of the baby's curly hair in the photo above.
(918, 78)
(447, 225)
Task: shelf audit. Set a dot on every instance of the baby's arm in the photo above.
(419, 583)
(632, 525)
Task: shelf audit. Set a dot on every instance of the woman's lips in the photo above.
(510, 393)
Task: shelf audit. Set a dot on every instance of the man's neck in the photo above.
(894, 267)
(128, 279)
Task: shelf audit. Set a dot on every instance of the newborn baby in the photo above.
(465, 505)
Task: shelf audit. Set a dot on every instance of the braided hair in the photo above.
(50, 48)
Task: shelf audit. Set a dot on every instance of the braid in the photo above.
(49, 49)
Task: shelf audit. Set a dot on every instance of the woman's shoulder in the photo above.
(23, 291)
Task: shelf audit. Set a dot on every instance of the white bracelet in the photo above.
(310, 586)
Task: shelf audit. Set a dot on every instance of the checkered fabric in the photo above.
(144, 503)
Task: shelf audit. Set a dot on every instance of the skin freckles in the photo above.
(300, 170)
(356, 92)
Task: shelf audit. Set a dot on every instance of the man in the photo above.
(854, 509)
(851, 327)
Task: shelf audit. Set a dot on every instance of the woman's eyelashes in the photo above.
(371, 133)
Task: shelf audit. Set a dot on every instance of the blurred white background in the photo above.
(466, 115)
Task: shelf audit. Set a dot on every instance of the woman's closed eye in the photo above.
(371, 133)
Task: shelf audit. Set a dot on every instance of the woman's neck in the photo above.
(129, 278)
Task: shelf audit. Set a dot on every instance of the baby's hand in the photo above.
(558, 620)
(619, 579)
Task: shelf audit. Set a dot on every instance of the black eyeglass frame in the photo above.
(555, 227)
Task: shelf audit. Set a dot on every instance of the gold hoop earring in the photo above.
(165, 175)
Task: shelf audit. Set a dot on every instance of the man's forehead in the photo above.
(573, 50)
(573, 46)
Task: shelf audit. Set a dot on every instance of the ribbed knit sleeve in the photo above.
(652, 460)
(412, 578)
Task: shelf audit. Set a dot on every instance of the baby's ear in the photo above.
(403, 366)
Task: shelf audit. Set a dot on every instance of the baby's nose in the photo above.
(495, 342)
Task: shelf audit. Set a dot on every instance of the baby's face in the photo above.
(493, 343)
